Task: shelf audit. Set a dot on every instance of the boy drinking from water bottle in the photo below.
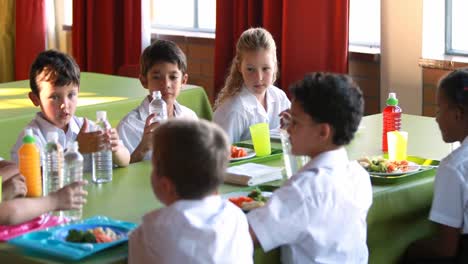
(319, 214)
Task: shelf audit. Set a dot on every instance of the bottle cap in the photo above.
(157, 95)
(28, 137)
(52, 136)
(101, 115)
(392, 100)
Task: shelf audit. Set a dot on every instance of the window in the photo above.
(456, 39)
(188, 15)
(364, 23)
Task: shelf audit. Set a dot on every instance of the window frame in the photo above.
(448, 32)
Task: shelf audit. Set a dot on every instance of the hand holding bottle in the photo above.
(14, 187)
(69, 197)
(90, 142)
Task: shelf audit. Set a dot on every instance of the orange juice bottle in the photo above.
(30, 164)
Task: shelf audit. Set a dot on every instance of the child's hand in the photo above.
(285, 119)
(146, 143)
(14, 187)
(114, 139)
(71, 196)
(90, 142)
(147, 138)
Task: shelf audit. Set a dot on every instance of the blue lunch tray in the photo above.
(51, 241)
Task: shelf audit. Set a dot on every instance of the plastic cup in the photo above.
(261, 139)
(397, 145)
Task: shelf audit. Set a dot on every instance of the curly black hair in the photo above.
(56, 67)
(331, 98)
(455, 87)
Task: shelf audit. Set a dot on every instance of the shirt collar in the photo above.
(329, 158)
(46, 126)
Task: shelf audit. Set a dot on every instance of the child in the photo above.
(55, 83)
(449, 204)
(163, 68)
(196, 226)
(319, 214)
(16, 211)
(249, 96)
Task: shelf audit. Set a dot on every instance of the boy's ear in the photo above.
(143, 81)
(34, 98)
(326, 131)
(185, 78)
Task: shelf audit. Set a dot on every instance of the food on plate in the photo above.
(253, 200)
(237, 152)
(381, 165)
(95, 235)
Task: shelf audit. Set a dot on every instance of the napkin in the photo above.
(250, 174)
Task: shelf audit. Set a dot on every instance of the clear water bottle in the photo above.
(158, 106)
(53, 178)
(102, 160)
(73, 171)
(391, 119)
(292, 163)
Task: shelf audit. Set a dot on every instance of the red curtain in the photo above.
(106, 34)
(310, 35)
(30, 37)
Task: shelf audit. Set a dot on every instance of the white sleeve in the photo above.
(285, 213)
(447, 204)
(129, 134)
(136, 246)
(233, 122)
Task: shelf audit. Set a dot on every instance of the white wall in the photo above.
(401, 48)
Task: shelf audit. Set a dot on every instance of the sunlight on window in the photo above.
(459, 36)
(364, 23)
(174, 14)
(68, 8)
(207, 14)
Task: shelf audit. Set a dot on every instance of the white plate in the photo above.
(412, 167)
(237, 194)
(250, 154)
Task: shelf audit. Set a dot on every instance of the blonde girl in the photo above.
(249, 96)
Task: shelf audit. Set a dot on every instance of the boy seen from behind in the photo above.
(196, 226)
(319, 214)
(163, 67)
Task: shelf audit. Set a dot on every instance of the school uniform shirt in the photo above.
(319, 215)
(241, 111)
(131, 127)
(450, 201)
(205, 231)
(40, 127)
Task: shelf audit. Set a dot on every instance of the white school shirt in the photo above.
(193, 231)
(239, 112)
(40, 127)
(131, 127)
(450, 201)
(319, 215)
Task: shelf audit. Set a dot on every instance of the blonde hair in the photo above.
(252, 39)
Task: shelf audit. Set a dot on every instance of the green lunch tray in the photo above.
(275, 154)
(424, 172)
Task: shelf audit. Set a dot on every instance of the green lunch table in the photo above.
(115, 94)
(397, 217)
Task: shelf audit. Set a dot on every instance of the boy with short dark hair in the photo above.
(196, 226)
(163, 67)
(319, 214)
(55, 83)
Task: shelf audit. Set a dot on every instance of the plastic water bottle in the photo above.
(391, 119)
(53, 164)
(73, 171)
(29, 164)
(102, 160)
(159, 107)
(290, 160)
